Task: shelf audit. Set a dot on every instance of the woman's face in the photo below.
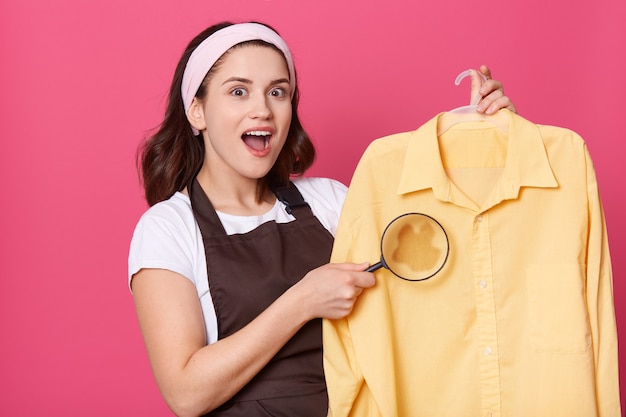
(247, 112)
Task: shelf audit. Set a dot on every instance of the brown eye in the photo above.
(238, 92)
(278, 92)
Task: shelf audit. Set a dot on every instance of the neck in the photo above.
(234, 195)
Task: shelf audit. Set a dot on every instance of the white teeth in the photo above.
(267, 143)
(258, 133)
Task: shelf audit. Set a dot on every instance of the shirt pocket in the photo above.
(558, 316)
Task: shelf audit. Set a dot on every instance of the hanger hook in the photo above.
(467, 73)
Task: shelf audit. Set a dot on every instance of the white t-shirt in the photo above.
(168, 237)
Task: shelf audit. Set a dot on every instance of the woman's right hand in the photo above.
(331, 290)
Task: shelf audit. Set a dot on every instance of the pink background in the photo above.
(81, 82)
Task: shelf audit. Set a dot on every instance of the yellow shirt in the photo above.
(520, 320)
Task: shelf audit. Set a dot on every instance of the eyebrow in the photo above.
(247, 81)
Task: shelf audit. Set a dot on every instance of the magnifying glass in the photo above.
(414, 247)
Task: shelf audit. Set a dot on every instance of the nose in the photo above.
(260, 108)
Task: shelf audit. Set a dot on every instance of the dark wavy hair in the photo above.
(170, 158)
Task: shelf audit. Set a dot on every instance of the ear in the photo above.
(195, 115)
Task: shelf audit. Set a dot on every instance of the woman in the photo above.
(229, 267)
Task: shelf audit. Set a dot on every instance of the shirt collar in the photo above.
(527, 163)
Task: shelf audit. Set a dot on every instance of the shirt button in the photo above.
(482, 283)
(487, 351)
(479, 219)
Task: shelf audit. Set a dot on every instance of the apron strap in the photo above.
(294, 203)
(208, 221)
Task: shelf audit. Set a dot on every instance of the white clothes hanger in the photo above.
(466, 114)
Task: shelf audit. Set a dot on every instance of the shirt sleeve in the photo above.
(343, 378)
(162, 239)
(348, 392)
(601, 302)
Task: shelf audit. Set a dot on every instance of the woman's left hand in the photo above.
(490, 92)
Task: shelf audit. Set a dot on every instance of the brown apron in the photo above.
(247, 272)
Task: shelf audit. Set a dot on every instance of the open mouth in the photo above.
(258, 140)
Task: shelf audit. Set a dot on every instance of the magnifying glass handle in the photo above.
(374, 267)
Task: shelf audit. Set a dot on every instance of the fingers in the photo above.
(365, 280)
(485, 71)
(492, 93)
(349, 266)
(495, 100)
(362, 279)
(481, 86)
(492, 99)
(491, 87)
(357, 292)
(333, 289)
(503, 102)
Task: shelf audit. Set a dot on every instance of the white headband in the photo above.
(213, 47)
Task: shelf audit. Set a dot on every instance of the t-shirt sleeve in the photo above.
(326, 197)
(163, 240)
